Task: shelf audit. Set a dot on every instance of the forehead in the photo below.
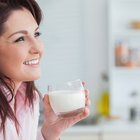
(19, 20)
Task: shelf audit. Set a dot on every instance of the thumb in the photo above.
(46, 103)
(46, 99)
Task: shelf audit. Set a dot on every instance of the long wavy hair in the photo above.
(6, 8)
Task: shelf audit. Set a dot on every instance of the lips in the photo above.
(32, 62)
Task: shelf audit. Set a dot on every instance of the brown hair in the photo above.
(6, 8)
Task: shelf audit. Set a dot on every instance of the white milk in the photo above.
(66, 100)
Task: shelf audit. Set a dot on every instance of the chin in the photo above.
(36, 78)
(32, 78)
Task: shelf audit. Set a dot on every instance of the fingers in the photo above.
(83, 83)
(87, 103)
(82, 115)
(86, 111)
(86, 93)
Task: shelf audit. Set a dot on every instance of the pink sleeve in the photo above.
(39, 135)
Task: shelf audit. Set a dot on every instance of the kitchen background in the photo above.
(98, 42)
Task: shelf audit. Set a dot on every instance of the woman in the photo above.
(20, 54)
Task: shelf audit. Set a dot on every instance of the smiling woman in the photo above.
(21, 44)
(20, 53)
(21, 50)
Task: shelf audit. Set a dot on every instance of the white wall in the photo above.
(95, 42)
(87, 35)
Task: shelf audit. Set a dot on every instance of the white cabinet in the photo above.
(124, 54)
(102, 136)
(128, 132)
(81, 133)
(79, 137)
(121, 136)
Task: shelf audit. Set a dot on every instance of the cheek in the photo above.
(12, 68)
(11, 60)
(12, 64)
(16, 58)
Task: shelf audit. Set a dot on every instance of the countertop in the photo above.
(105, 127)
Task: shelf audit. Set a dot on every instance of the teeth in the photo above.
(32, 62)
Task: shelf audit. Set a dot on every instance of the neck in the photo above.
(16, 86)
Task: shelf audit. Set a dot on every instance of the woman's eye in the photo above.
(19, 39)
(37, 34)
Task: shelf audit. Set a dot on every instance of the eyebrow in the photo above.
(21, 31)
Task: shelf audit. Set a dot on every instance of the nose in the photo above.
(36, 47)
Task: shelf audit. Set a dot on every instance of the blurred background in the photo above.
(97, 41)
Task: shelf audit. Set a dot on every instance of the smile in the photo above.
(32, 62)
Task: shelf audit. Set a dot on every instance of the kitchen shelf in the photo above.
(127, 69)
(123, 80)
(127, 33)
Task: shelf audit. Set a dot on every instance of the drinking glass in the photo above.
(67, 99)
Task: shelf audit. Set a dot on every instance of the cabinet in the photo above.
(124, 54)
(106, 132)
(121, 136)
(102, 136)
(79, 137)
(81, 133)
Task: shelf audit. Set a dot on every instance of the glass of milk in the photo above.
(68, 99)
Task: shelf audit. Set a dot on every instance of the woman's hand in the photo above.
(53, 125)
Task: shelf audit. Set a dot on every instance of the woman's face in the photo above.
(20, 47)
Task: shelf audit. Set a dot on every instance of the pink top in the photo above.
(27, 117)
